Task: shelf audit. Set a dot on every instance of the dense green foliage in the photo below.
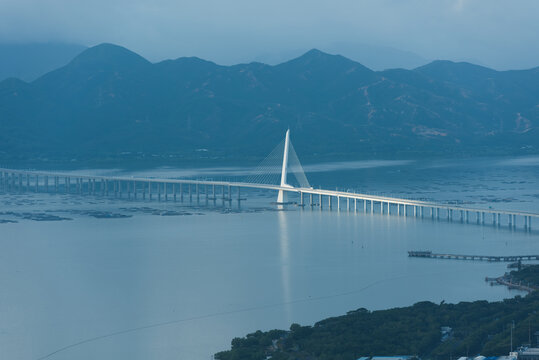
(111, 103)
(527, 275)
(479, 327)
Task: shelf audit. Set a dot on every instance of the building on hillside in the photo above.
(395, 357)
(528, 354)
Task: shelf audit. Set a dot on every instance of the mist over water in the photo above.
(124, 278)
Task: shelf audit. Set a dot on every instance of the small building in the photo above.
(446, 332)
(396, 357)
(511, 356)
(528, 354)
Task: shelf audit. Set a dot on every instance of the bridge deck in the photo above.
(319, 192)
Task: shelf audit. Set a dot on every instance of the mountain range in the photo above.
(28, 61)
(110, 103)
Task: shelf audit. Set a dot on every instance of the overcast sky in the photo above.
(501, 34)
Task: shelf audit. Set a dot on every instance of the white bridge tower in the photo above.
(281, 198)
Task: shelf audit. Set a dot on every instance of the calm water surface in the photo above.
(179, 281)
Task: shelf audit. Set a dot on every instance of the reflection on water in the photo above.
(285, 263)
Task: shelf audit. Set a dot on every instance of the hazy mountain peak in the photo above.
(438, 66)
(109, 54)
(13, 84)
(315, 59)
(28, 61)
(318, 55)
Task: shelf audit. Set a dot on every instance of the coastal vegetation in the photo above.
(478, 327)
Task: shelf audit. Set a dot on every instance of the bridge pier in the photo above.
(39, 182)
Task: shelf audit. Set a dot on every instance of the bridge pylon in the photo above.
(281, 196)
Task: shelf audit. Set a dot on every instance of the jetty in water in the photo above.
(504, 258)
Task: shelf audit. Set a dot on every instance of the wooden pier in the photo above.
(505, 258)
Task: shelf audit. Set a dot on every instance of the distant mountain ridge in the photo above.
(109, 102)
(31, 60)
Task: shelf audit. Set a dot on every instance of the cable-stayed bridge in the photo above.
(280, 171)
